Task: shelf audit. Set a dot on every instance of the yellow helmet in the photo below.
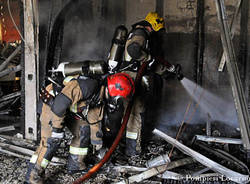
(155, 20)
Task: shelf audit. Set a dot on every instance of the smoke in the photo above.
(88, 29)
(87, 33)
(220, 109)
(176, 97)
(82, 40)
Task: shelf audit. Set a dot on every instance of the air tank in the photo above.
(117, 48)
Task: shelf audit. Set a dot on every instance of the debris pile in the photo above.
(199, 163)
(10, 89)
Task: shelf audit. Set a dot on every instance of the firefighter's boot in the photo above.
(76, 164)
(78, 150)
(29, 169)
(37, 175)
(130, 147)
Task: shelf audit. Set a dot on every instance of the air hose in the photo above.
(95, 168)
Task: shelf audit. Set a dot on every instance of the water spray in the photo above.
(218, 108)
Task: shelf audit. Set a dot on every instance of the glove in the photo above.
(151, 60)
(178, 72)
(148, 57)
(46, 97)
(97, 147)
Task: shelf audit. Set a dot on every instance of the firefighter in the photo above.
(85, 97)
(138, 49)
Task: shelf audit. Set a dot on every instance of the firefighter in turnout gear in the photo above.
(85, 97)
(138, 49)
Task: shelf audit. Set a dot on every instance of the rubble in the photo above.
(128, 169)
(232, 161)
(223, 140)
(10, 70)
(160, 160)
(144, 175)
(10, 96)
(156, 171)
(229, 174)
(7, 61)
(200, 172)
(7, 128)
(17, 141)
(181, 168)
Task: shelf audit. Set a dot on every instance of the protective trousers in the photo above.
(134, 126)
(48, 146)
(52, 135)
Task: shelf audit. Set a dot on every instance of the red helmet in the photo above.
(120, 84)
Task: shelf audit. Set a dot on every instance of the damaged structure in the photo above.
(196, 130)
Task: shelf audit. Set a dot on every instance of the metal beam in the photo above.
(7, 61)
(153, 171)
(232, 31)
(160, 7)
(200, 42)
(238, 92)
(10, 96)
(7, 128)
(230, 174)
(31, 69)
(243, 51)
(222, 140)
(10, 70)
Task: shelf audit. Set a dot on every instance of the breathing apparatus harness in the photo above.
(129, 63)
(81, 113)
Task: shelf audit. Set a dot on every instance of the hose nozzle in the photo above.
(178, 72)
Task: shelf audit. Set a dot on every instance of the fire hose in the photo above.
(95, 168)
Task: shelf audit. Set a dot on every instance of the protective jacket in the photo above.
(137, 51)
(83, 98)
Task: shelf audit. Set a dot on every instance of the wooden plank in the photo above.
(25, 153)
(30, 66)
(14, 154)
(17, 149)
(17, 141)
